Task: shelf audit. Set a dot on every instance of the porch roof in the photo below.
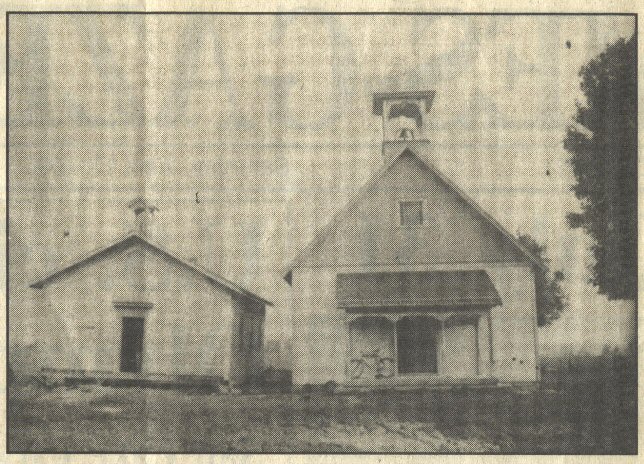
(429, 288)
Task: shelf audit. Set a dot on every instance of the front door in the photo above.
(417, 345)
(132, 344)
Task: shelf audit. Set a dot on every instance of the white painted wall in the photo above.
(514, 324)
(186, 330)
(460, 354)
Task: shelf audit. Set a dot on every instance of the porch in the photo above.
(418, 329)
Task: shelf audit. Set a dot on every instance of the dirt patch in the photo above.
(584, 419)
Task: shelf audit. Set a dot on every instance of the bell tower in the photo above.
(403, 120)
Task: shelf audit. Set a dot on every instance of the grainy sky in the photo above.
(269, 119)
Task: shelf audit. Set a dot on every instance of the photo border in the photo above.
(10, 13)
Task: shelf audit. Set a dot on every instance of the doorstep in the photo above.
(111, 378)
(410, 382)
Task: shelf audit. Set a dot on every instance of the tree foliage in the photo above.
(550, 297)
(603, 145)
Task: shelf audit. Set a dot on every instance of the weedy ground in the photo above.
(590, 408)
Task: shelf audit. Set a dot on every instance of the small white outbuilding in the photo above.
(134, 309)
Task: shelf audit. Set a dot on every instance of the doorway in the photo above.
(417, 341)
(132, 344)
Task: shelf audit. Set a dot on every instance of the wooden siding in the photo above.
(371, 234)
(186, 329)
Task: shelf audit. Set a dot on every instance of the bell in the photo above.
(406, 134)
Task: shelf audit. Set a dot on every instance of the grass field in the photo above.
(584, 409)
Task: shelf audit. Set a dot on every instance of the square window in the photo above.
(411, 213)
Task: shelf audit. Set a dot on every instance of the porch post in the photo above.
(478, 348)
(347, 343)
(490, 339)
(441, 349)
(395, 355)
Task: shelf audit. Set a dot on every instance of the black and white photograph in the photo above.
(312, 232)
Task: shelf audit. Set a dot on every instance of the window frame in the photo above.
(423, 213)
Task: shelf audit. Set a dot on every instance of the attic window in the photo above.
(411, 213)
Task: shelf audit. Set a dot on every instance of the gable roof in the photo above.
(133, 237)
(323, 233)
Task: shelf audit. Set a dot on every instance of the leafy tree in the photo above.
(550, 297)
(603, 145)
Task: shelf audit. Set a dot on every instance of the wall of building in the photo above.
(459, 355)
(514, 324)
(321, 340)
(186, 330)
